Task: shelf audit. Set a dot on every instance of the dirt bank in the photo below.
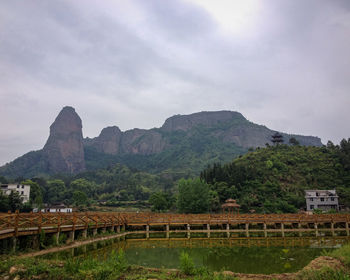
(315, 264)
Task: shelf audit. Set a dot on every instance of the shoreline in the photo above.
(318, 264)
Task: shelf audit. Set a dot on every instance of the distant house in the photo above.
(23, 190)
(321, 199)
(59, 208)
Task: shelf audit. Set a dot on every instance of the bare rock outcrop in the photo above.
(186, 122)
(64, 148)
(108, 141)
(142, 142)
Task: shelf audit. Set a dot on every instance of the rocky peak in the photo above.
(186, 122)
(108, 141)
(64, 147)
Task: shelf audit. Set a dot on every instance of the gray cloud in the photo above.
(135, 63)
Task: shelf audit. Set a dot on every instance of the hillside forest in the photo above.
(264, 180)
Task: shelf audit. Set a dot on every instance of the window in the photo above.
(311, 206)
(322, 198)
(311, 199)
(332, 198)
(17, 186)
(22, 192)
(22, 186)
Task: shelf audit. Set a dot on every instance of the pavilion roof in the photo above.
(230, 203)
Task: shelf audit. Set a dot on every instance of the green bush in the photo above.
(343, 254)
(62, 238)
(186, 264)
(323, 274)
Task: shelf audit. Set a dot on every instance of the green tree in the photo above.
(214, 201)
(80, 198)
(193, 196)
(36, 196)
(55, 191)
(4, 202)
(293, 141)
(224, 191)
(83, 185)
(160, 201)
(15, 201)
(3, 180)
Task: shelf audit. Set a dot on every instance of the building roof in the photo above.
(230, 203)
(320, 193)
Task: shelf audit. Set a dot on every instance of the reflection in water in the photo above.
(245, 255)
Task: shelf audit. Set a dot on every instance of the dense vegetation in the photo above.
(267, 180)
(273, 179)
(187, 154)
(111, 186)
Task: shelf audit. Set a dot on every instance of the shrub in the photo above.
(186, 264)
(343, 253)
(121, 264)
(322, 274)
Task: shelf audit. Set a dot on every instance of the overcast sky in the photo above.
(284, 64)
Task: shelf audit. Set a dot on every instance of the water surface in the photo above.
(244, 255)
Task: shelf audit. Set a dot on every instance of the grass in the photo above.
(343, 254)
(325, 273)
(114, 267)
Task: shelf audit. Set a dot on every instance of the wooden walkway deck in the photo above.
(22, 224)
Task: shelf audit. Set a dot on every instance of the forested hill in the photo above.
(274, 178)
(183, 146)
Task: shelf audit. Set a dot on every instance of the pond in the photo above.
(244, 255)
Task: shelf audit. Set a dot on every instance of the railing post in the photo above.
(147, 231)
(16, 222)
(58, 228)
(167, 228)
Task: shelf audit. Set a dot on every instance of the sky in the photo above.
(283, 64)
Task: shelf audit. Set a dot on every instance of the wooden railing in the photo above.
(16, 224)
(152, 218)
(28, 223)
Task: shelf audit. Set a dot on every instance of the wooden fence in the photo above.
(19, 224)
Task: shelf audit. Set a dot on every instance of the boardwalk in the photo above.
(19, 224)
(89, 223)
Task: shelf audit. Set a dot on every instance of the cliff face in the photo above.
(142, 142)
(229, 127)
(135, 142)
(186, 122)
(64, 148)
(108, 142)
(201, 138)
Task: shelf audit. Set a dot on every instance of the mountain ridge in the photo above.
(182, 142)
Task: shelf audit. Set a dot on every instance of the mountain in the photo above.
(64, 149)
(183, 146)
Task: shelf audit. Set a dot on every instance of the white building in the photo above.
(321, 199)
(23, 190)
(57, 208)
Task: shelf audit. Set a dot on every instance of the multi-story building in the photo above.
(321, 199)
(23, 190)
